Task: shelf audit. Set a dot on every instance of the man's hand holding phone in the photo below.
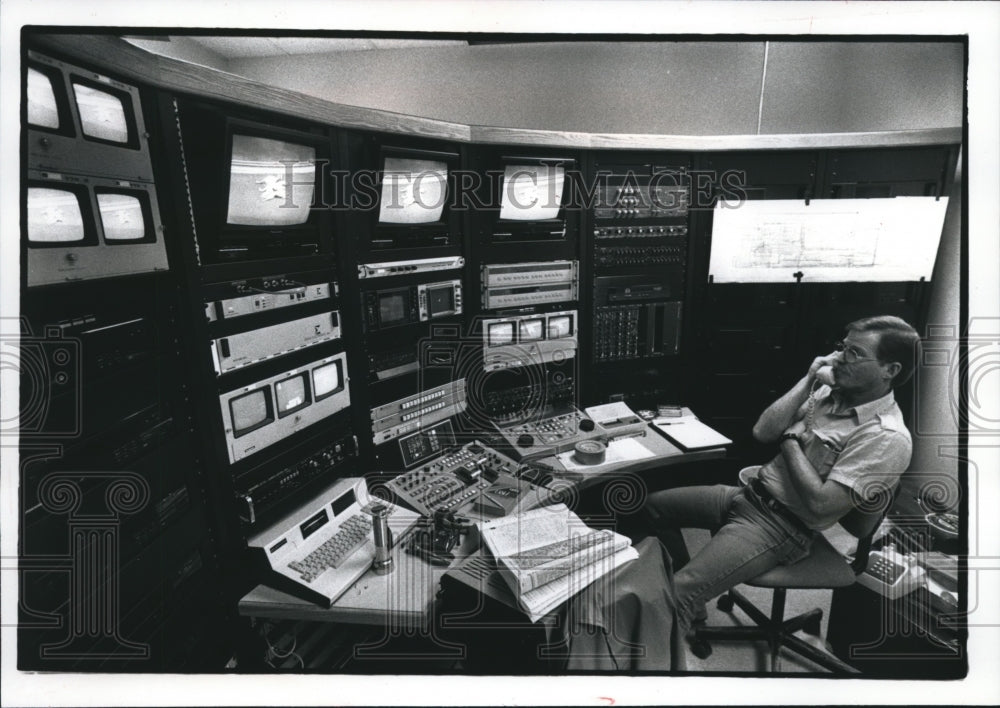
(821, 369)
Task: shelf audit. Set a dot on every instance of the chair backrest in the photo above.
(862, 523)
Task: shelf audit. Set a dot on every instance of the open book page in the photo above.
(549, 554)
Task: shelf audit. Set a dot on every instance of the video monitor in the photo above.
(271, 182)
(83, 123)
(291, 394)
(500, 333)
(58, 217)
(530, 330)
(251, 411)
(392, 307)
(531, 192)
(124, 217)
(43, 107)
(327, 380)
(440, 300)
(413, 191)
(103, 114)
(560, 326)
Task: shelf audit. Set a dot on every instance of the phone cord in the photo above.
(811, 407)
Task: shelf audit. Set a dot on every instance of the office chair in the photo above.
(823, 569)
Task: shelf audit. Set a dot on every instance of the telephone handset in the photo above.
(825, 376)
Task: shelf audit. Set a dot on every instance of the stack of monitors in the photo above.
(90, 203)
(529, 339)
(263, 413)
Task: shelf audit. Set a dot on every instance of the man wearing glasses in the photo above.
(839, 432)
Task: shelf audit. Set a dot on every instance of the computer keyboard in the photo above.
(319, 550)
(351, 536)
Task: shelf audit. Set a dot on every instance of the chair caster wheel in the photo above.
(725, 603)
(700, 648)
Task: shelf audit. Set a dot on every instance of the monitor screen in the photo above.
(271, 182)
(529, 330)
(343, 502)
(391, 307)
(560, 326)
(440, 299)
(531, 192)
(43, 111)
(102, 114)
(291, 394)
(122, 217)
(499, 333)
(413, 191)
(54, 216)
(250, 411)
(326, 380)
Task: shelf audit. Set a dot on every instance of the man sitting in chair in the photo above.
(841, 438)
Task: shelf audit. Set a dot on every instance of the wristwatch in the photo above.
(790, 436)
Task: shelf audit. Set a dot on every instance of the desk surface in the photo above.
(406, 596)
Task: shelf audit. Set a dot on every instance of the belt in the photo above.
(757, 487)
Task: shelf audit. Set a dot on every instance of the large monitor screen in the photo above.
(500, 333)
(43, 110)
(122, 217)
(530, 330)
(413, 191)
(54, 216)
(326, 380)
(531, 192)
(102, 114)
(271, 182)
(291, 394)
(250, 411)
(560, 326)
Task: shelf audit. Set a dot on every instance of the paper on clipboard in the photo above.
(688, 433)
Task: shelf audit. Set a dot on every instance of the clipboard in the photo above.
(690, 434)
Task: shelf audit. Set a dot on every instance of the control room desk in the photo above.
(406, 596)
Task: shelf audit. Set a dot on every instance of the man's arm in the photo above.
(822, 498)
(778, 416)
(782, 413)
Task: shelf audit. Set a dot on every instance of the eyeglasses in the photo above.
(850, 354)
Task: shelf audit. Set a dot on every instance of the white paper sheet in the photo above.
(624, 450)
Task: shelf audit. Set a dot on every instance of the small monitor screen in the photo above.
(43, 111)
(291, 394)
(102, 114)
(122, 217)
(391, 308)
(560, 326)
(343, 503)
(249, 411)
(440, 300)
(54, 216)
(326, 379)
(413, 191)
(531, 192)
(271, 182)
(529, 330)
(500, 333)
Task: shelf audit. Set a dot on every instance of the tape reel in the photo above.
(589, 452)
